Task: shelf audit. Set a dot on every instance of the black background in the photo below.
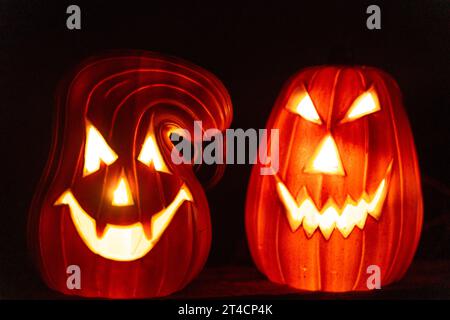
(253, 47)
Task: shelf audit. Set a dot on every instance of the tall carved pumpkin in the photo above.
(110, 200)
(347, 194)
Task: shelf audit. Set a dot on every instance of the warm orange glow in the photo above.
(96, 150)
(114, 114)
(309, 227)
(365, 104)
(122, 243)
(305, 108)
(353, 213)
(326, 159)
(122, 194)
(151, 154)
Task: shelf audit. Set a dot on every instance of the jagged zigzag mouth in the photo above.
(352, 213)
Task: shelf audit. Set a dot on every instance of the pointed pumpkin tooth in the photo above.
(309, 230)
(326, 232)
(345, 222)
(147, 225)
(328, 221)
(347, 230)
(100, 228)
(362, 220)
(303, 194)
(310, 223)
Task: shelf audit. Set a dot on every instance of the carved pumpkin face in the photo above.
(101, 199)
(111, 200)
(347, 194)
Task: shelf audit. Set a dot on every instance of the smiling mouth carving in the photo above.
(331, 216)
(122, 242)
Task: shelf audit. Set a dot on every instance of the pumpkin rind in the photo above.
(367, 146)
(124, 95)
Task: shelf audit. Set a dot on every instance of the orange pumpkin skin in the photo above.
(125, 96)
(367, 146)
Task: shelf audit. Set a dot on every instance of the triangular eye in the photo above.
(365, 104)
(96, 150)
(150, 154)
(304, 107)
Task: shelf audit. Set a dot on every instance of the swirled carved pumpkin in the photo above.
(347, 194)
(111, 201)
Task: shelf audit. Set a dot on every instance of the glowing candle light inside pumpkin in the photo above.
(326, 159)
(347, 193)
(122, 195)
(96, 149)
(150, 154)
(110, 195)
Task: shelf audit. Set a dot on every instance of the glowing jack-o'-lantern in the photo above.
(347, 194)
(111, 200)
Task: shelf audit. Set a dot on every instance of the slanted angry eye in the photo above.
(304, 107)
(365, 104)
(96, 150)
(307, 110)
(150, 154)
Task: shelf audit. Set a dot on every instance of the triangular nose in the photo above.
(326, 159)
(122, 194)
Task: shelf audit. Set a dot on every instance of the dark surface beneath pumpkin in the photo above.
(424, 280)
